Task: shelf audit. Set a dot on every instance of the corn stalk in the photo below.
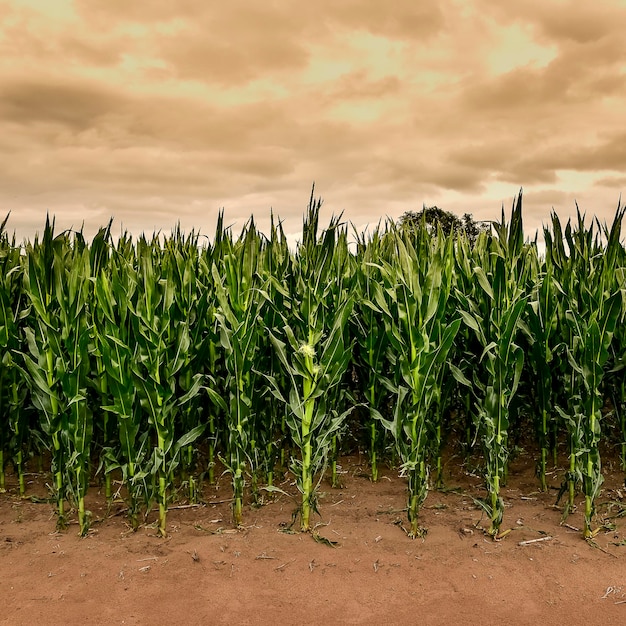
(313, 352)
(43, 362)
(72, 293)
(371, 327)
(543, 338)
(240, 316)
(162, 353)
(416, 286)
(495, 315)
(594, 309)
(115, 291)
(12, 387)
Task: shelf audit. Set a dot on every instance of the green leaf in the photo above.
(483, 281)
(189, 437)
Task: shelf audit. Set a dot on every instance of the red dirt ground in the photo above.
(207, 573)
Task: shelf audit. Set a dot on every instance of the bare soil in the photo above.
(206, 572)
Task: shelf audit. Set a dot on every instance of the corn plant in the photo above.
(594, 308)
(206, 347)
(162, 343)
(467, 345)
(115, 291)
(12, 388)
(588, 357)
(104, 428)
(58, 363)
(313, 351)
(615, 267)
(616, 381)
(44, 360)
(415, 290)
(72, 294)
(239, 316)
(276, 268)
(371, 326)
(495, 314)
(192, 305)
(543, 338)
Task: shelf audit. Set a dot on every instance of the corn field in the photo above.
(158, 362)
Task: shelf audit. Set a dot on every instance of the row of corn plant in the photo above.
(150, 359)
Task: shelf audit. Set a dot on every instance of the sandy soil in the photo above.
(206, 572)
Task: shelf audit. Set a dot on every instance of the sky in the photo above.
(155, 113)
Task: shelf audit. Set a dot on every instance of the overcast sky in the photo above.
(155, 112)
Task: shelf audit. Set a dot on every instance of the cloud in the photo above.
(560, 20)
(358, 85)
(229, 61)
(603, 154)
(612, 182)
(146, 12)
(30, 35)
(238, 42)
(155, 110)
(572, 22)
(230, 45)
(407, 21)
(78, 106)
